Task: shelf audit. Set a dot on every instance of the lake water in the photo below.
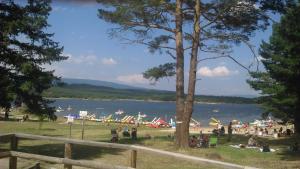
(166, 110)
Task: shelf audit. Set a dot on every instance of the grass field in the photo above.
(96, 131)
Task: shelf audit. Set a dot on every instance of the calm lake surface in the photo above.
(202, 112)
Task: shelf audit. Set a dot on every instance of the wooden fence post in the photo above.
(133, 158)
(68, 154)
(13, 147)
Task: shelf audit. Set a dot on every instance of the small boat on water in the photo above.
(119, 112)
(59, 109)
(69, 108)
(215, 110)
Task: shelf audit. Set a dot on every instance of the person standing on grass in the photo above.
(229, 131)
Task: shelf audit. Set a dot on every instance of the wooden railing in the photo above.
(68, 162)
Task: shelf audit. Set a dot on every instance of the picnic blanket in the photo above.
(241, 146)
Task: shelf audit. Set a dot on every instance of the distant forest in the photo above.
(86, 91)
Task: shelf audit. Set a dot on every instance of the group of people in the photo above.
(275, 133)
(255, 130)
(220, 130)
(198, 142)
(201, 142)
(25, 117)
(125, 132)
(254, 142)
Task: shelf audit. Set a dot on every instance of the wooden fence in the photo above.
(68, 162)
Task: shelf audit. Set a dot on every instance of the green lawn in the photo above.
(282, 158)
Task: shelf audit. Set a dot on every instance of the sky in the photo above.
(93, 54)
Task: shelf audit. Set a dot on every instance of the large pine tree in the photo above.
(195, 26)
(280, 83)
(24, 48)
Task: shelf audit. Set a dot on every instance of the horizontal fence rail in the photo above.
(68, 162)
(81, 163)
(74, 141)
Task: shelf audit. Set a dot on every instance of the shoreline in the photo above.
(136, 100)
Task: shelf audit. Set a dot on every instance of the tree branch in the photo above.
(210, 58)
(151, 25)
(169, 53)
(240, 39)
(216, 17)
(147, 44)
(227, 56)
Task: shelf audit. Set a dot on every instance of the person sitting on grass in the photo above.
(288, 132)
(114, 135)
(294, 147)
(25, 117)
(265, 148)
(126, 132)
(134, 133)
(252, 142)
(193, 141)
(203, 141)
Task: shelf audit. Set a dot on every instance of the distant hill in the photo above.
(98, 83)
(87, 91)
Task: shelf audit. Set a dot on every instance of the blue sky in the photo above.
(94, 55)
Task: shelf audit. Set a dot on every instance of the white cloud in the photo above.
(220, 71)
(134, 78)
(108, 61)
(89, 59)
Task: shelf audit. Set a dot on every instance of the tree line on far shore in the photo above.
(85, 91)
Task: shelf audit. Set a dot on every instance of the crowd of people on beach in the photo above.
(206, 140)
(255, 132)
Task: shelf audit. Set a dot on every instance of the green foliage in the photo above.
(24, 48)
(165, 70)
(5, 89)
(281, 58)
(152, 23)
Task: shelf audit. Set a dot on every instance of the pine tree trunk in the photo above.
(189, 104)
(181, 137)
(184, 116)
